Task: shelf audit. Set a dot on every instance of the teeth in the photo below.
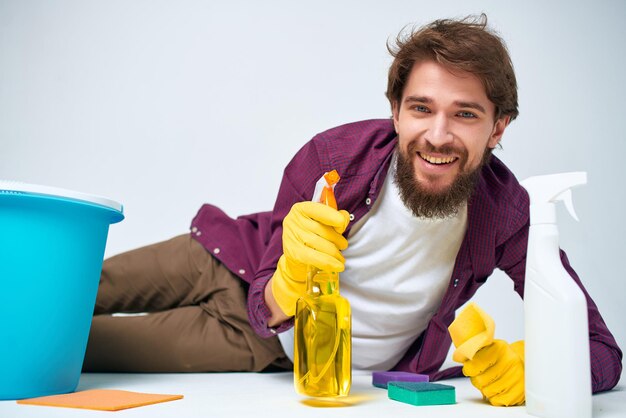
(437, 160)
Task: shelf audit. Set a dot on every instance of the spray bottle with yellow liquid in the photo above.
(322, 345)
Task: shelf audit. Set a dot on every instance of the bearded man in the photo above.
(427, 214)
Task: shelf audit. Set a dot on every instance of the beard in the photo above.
(435, 204)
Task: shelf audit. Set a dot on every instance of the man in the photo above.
(427, 215)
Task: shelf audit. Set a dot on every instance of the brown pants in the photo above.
(195, 315)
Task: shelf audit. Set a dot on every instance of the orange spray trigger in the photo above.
(332, 177)
(328, 194)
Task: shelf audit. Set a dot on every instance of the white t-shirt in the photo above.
(398, 267)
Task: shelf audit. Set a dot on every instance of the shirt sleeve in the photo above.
(606, 356)
(297, 185)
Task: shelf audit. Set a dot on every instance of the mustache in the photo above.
(427, 147)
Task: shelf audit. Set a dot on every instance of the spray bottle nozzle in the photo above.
(544, 191)
(566, 198)
(324, 189)
(331, 177)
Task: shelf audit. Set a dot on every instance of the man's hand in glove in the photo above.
(495, 367)
(311, 237)
(498, 372)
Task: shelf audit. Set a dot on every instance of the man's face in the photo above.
(446, 129)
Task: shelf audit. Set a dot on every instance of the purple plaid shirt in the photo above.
(497, 236)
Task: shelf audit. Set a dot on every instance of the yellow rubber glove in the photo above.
(494, 367)
(311, 237)
(498, 372)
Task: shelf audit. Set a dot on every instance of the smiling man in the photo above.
(427, 214)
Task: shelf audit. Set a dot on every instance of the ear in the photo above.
(498, 131)
(396, 115)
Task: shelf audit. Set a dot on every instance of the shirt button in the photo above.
(216, 251)
(368, 201)
(242, 271)
(194, 229)
(352, 216)
(272, 330)
(456, 282)
(198, 233)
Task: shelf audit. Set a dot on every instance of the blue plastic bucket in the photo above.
(51, 250)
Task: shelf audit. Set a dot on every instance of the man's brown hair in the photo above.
(466, 45)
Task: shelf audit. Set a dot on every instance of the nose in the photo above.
(438, 133)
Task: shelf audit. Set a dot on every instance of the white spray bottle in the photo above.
(557, 356)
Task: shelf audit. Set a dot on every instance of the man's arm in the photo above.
(297, 185)
(277, 316)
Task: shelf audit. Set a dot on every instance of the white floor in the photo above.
(242, 395)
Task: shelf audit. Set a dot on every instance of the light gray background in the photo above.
(164, 105)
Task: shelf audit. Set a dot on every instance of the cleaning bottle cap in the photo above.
(331, 177)
(324, 189)
(545, 191)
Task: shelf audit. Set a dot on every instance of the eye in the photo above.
(467, 115)
(421, 108)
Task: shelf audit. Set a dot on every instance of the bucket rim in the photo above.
(18, 187)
